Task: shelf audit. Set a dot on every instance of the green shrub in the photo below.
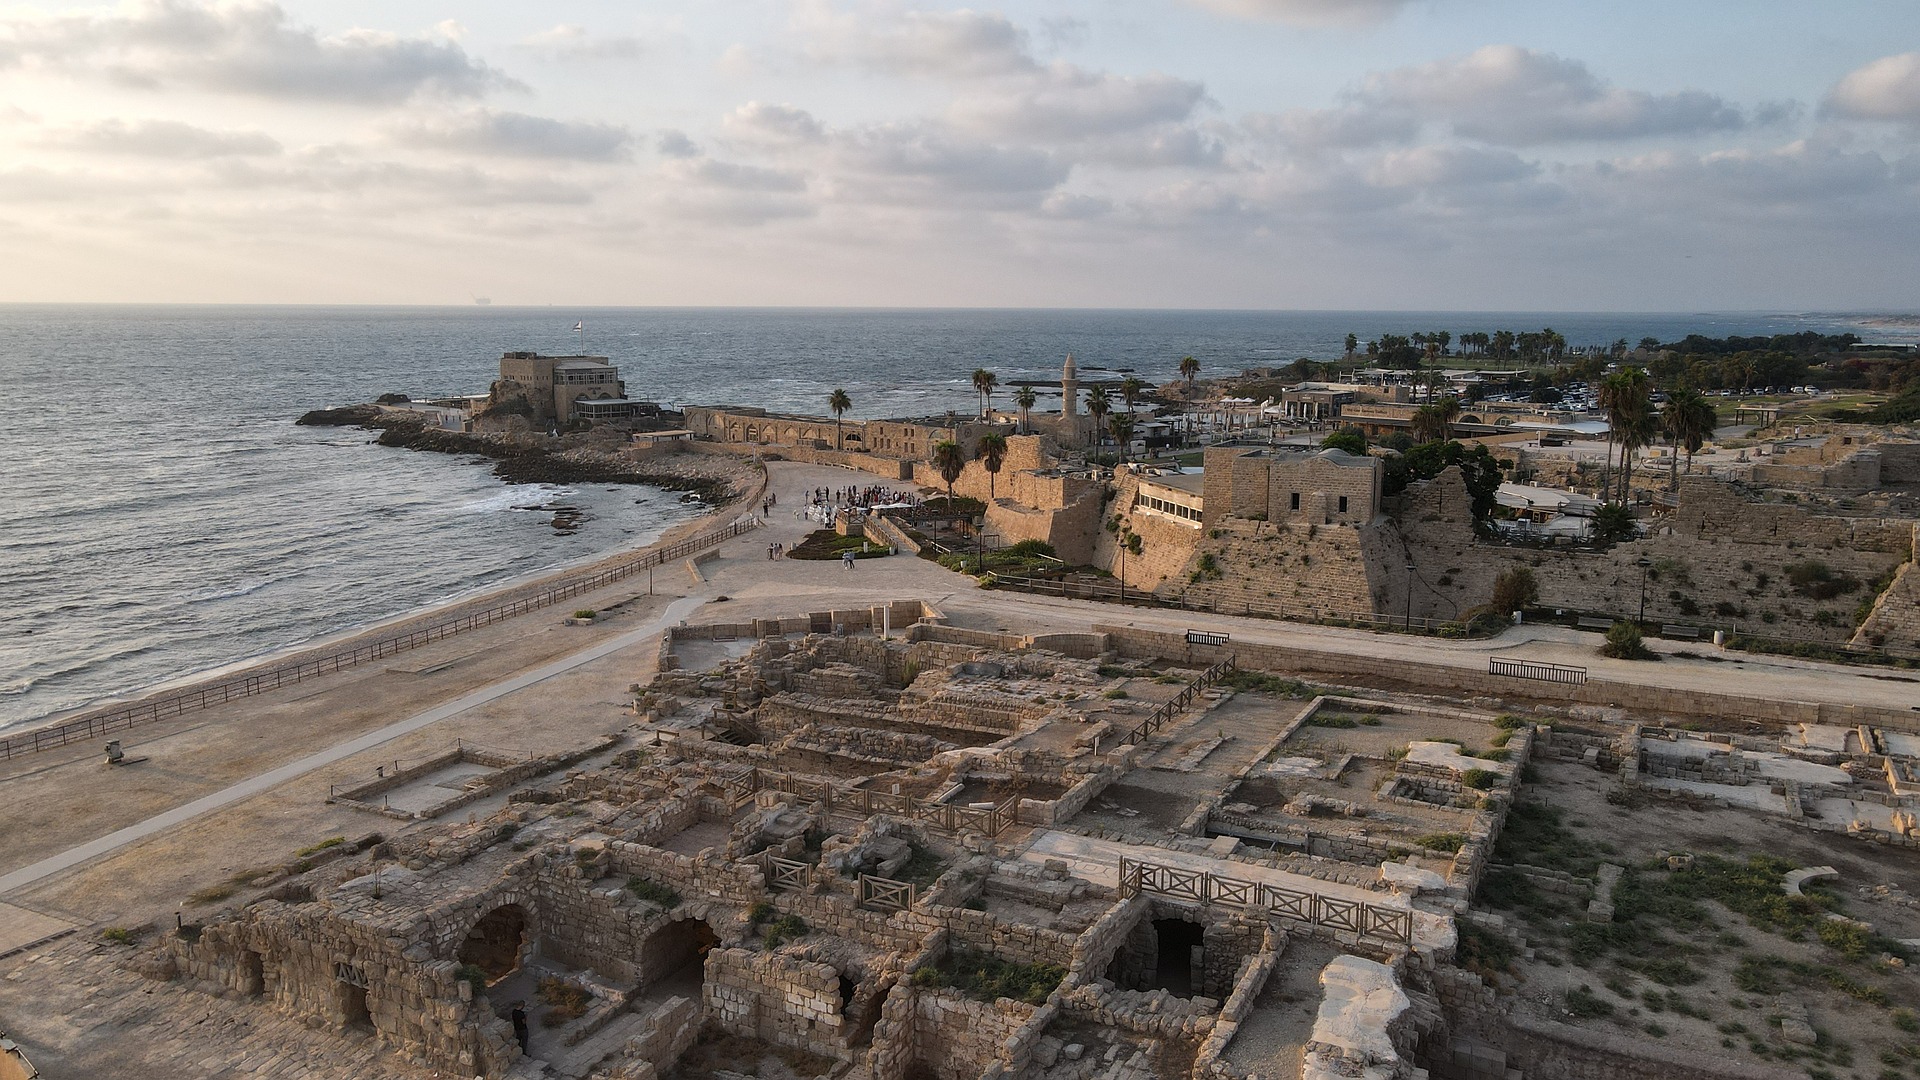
(1624, 643)
(1480, 779)
(653, 893)
(1031, 549)
(1261, 682)
(121, 935)
(329, 842)
(1583, 1003)
(786, 928)
(585, 613)
(989, 978)
(1448, 842)
(473, 976)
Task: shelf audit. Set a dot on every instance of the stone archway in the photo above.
(677, 954)
(496, 942)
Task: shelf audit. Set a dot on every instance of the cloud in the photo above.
(340, 172)
(1344, 126)
(1514, 96)
(1450, 166)
(774, 123)
(930, 159)
(918, 43)
(1887, 89)
(512, 134)
(250, 48)
(1068, 102)
(676, 144)
(1309, 12)
(568, 41)
(167, 139)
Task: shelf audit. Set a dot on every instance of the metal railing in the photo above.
(1529, 669)
(261, 682)
(1179, 702)
(1357, 917)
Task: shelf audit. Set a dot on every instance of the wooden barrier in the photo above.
(1357, 917)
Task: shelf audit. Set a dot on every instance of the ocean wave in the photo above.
(245, 588)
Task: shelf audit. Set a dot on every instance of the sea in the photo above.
(161, 515)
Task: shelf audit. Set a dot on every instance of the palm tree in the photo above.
(1353, 346)
(838, 402)
(1190, 370)
(949, 460)
(1130, 391)
(1026, 399)
(1122, 425)
(1687, 419)
(991, 454)
(1626, 396)
(1098, 406)
(984, 383)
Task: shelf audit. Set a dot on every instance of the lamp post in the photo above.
(1409, 622)
(1645, 564)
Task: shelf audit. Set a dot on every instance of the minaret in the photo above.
(1069, 390)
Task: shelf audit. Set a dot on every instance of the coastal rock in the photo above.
(346, 417)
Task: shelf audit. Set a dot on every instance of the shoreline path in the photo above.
(233, 756)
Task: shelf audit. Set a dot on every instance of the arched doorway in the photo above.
(496, 942)
(675, 956)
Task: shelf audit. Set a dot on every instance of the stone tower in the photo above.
(1069, 390)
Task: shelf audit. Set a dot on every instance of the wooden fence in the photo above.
(1178, 704)
(261, 682)
(886, 894)
(1357, 917)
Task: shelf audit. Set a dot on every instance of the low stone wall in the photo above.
(776, 998)
(1134, 642)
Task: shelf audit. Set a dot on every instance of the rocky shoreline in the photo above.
(533, 459)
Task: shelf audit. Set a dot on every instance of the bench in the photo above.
(1588, 622)
(1686, 633)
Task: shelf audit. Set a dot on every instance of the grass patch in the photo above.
(1483, 952)
(826, 544)
(122, 935)
(987, 977)
(653, 893)
(1583, 1003)
(1537, 834)
(786, 928)
(923, 868)
(1480, 779)
(585, 613)
(1448, 842)
(1332, 720)
(315, 849)
(565, 1001)
(1261, 682)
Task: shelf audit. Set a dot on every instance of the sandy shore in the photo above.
(747, 478)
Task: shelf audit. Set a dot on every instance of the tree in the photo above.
(1648, 344)
(1350, 439)
(1434, 423)
(1131, 389)
(1122, 424)
(949, 460)
(991, 454)
(1190, 370)
(838, 402)
(984, 383)
(1624, 643)
(1613, 524)
(1098, 406)
(1627, 397)
(1353, 346)
(1502, 344)
(1026, 399)
(1515, 590)
(1688, 418)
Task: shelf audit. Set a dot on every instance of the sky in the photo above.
(1637, 155)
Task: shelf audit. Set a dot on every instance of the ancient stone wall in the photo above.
(1894, 621)
(1429, 678)
(1289, 568)
(776, 998)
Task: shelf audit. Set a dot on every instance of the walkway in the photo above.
(266, 781)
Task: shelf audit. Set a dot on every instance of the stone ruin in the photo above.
(840, 855)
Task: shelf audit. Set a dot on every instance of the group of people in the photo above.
(767, 504)
(861, 497)
(776, 551)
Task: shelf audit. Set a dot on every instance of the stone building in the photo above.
(552, 384)
(1285, 484)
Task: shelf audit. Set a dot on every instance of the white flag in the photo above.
(579, 326)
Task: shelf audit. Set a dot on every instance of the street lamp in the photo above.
(1409, 622)
(1645, 564)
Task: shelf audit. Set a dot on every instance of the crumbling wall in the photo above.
(776, 998)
